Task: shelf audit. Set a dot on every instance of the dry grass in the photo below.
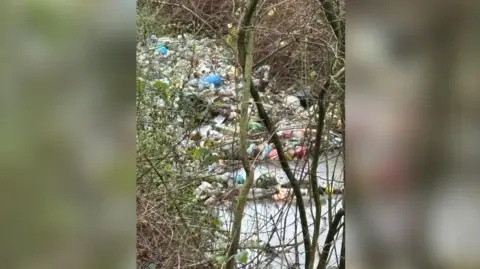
(297, 23)
(163, 239)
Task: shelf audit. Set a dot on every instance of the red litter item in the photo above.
(273, 154)
(300, 152)
(287, 134)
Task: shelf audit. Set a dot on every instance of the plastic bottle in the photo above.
(266, 150)
(239, 179)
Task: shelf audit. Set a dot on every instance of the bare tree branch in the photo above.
(329, 239)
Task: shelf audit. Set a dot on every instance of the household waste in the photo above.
(198, 79)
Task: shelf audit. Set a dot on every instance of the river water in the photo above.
(329, 167)
(278, 222)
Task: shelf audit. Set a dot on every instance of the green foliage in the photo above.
(255, 126)
(210, 158)
(206, 155)
(220, 259)
(150, 20)
(163, 90)
(168, 194)
(140, 84)
(242, 257)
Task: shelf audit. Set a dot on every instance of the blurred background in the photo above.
(412, 134)
(67, 134)
(68, 150)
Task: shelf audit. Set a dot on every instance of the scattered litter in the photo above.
(212, 79)
(203, 82)
(153, 39)
(255, 126)
(265, 152)
(300, 152)
(292, 102)
(240, 179)
(251, 150)
(273, 155)
(295, 134)
(162, 49)
(282, 195)
(195, 136)
(219, 119)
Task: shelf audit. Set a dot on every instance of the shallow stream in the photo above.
(278, 222)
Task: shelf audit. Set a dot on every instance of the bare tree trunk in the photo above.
(247, 52)
(337, 25)
(313, 175)
(330, 238)
(288, 172)
(342, 252)
(338, 28)
(245, 48)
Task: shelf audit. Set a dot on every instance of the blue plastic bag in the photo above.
(212, 79)
(162, 49)
(240, 179)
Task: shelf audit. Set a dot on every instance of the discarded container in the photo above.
(281, 195)
(300, 152)
(255, 126)
(298, 134)
(224, 112)
(251, 150)
(273, 154)
(240, 179)
(232, 115)
(266, 150)
(205, 130)
(295, 142)
(153, 39)
(212, 168)
(204, 187)
(292, 102)
(265, 181)
(305, 97)
(192, 82)
(291, 154)
(225, 129)
(219, 119)
(195, 136)
(162, 49)
(212, 79)
(287, 134)
(293, 134)
(211, 201)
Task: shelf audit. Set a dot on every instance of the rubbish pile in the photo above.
(212, 195)
(199, 80)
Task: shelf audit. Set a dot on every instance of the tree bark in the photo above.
(322, 264)
(247, 52)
